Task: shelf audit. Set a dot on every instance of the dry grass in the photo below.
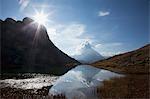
(135, 85)
(131, 62)
(129, 87)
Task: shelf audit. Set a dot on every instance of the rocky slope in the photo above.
(26, 48)
(136, 61)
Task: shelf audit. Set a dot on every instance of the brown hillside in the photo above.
(136, 61)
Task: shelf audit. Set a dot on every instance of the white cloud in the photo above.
(109, 49)
(23, 4)
(70, 31)
(67, 36)
(74, 30)
(103, 13)
(109, 44)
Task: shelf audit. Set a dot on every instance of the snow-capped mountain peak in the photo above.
(85, 45)
(86, 54)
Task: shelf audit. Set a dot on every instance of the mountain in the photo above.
(87, 54)
(26, 48)
(136, 61)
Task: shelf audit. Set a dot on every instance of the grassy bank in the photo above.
(130, 87)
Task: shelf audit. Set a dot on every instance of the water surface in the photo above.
(81, 82)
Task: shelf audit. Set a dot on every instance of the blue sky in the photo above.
(111, 26)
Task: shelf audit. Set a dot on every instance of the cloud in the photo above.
(74, 30)
(23, 4)
(109, 49)
(77, 74)
(109, 44)
(67, 36)
(103, 13)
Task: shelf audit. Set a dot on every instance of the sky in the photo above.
(110, 26)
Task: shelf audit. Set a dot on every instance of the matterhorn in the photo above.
(86, 54)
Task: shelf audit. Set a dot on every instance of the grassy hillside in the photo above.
(135, 83)
(136, 61)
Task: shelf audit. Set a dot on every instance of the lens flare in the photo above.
(41, 18)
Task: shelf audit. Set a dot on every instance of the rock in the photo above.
(26, 48)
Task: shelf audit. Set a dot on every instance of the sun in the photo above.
(41, 18)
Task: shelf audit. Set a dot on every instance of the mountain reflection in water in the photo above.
(81, 81)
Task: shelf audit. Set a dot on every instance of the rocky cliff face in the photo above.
(26, 47)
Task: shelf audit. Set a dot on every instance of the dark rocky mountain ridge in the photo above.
(26, 48)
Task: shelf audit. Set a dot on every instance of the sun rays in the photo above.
(41, 18)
